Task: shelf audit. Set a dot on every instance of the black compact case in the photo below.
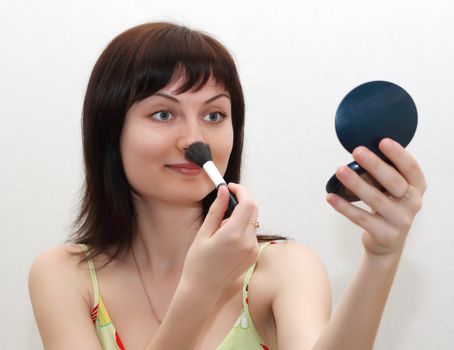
(367, 114)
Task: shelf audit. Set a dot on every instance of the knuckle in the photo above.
(398, 185)
(253, 249)
(213, 212)
(378, 199)
(424, 187)
(214, 206)
(406, 221)
(233, 238)
(391, 236)
(360, 217)
(416, 205)
(413, 167)
(254, 206)
(250, 205)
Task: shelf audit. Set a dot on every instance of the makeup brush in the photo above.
(200, 154)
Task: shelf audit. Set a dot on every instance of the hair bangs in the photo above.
(179, 54)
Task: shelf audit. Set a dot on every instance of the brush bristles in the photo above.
(198, 153)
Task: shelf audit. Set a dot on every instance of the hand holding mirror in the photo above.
(367, 114)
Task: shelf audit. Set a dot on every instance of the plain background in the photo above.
(297, 59)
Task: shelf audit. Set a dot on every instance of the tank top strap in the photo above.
(251, 269)
(247, 320)
(94, 279)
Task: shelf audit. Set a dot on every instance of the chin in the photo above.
(190, 195)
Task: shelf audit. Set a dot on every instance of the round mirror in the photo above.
(366, 115)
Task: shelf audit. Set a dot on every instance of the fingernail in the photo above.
(219, 190)
(388, 143)
(342, 171)
(361, 153)
(330, 198)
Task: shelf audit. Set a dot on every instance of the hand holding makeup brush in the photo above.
(219, 255)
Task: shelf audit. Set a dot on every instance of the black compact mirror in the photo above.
(366, 115)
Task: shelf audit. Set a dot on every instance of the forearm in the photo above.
(181, 327)
(356, 320)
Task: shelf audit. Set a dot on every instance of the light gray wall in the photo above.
(297, 59)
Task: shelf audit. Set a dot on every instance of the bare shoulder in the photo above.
(60, 252)
(283, 257)
(64, 257)
(301, 296)
(58, 287)
(289, 246)
(290, 267)
(59, 266)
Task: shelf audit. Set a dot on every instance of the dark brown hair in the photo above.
(136, 64)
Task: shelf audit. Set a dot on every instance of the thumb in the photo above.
(216, 212)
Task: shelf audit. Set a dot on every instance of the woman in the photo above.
(155, 263)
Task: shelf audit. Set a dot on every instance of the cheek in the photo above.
(221, 149)
(140, 155)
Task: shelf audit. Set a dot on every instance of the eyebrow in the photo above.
(177, 101)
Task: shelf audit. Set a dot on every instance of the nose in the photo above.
(191, 132)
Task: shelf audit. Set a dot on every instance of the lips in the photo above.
(185, 168)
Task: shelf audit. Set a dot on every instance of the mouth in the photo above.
(185, 168)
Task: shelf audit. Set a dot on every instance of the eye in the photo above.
(215, 117)
(161, 116)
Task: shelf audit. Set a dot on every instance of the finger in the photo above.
(358, 216)
(383, 173)
(251, 226)
(404, 162)
(245, 212)
(216, 212)
(239, 191)
(373, 197)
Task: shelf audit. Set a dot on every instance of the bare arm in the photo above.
(302, 305)
(60, 305)
(356, 320)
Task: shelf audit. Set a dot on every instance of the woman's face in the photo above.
(157, 131)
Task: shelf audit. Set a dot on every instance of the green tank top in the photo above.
(242, 336)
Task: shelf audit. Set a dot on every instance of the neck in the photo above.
(165, 232)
